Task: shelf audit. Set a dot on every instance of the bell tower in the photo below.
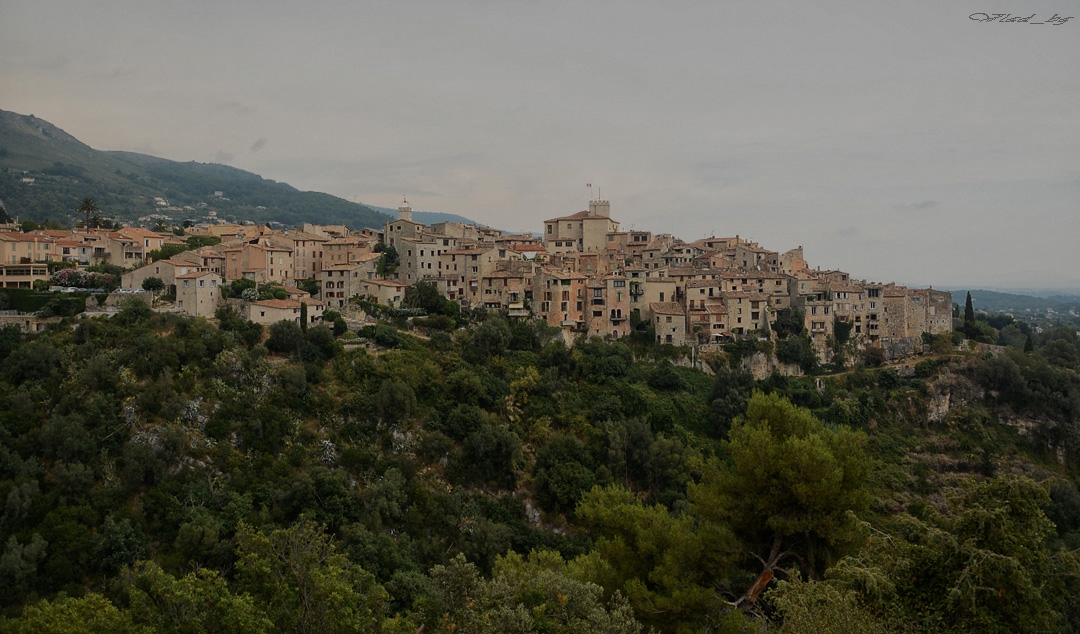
(404, 212)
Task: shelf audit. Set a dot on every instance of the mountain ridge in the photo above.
(45, 172)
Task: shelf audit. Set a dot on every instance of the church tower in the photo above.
(404, 212)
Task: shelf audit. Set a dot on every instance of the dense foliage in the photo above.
(159, 473)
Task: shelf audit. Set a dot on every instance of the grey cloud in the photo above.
(121, 71)
(919, 206)
(237, 107)
(258, 145)
(504, 110)
(224, 157)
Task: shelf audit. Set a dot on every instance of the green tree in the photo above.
(196, 603)
(789, 322)
(537, 593)
(798, 350)
(984, 563)
(492, 336)
(238, 286)
(395, 401)
(664, 378)
(304, 585)
(286, 337)
(153, 284)
(196, 242)
(167, 251)
(789, 488)
(731, 390)
(389, 261)
(116, 544)
(91, 614)
(424, 295)
(90, 211)
(971, 331)
(668, 566)
(310, 285)
(19, 562)
(823, 608)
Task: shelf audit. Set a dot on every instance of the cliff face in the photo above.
(903, 348)
(762, 366)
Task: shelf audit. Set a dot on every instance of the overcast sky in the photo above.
(899, 141)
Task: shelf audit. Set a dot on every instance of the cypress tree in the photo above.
(969, 318)
(303, 316)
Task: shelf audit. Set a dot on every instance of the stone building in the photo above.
(198, 294)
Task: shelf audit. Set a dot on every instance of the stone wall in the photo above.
(116, 299)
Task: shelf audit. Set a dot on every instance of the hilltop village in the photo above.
(583, 275)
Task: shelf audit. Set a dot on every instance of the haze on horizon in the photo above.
(896, 141)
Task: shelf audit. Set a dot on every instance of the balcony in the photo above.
(517, 309)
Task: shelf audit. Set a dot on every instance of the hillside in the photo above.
(45, 172)
(998, 302)
(488, 479)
